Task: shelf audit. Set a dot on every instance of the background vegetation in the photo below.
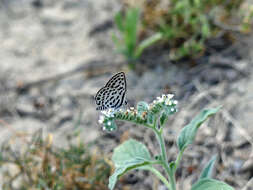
(38, 165)
(182, 27)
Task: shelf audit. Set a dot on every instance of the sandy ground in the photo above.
(55, 57)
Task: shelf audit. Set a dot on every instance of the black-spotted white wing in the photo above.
(112, 95)
(109, 98)
(118, 81)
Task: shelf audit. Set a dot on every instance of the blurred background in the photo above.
(56, 54)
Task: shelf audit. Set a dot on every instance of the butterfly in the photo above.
(113, 94)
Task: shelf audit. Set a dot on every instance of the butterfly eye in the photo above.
(113, 94)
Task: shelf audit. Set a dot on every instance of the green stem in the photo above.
(162, 145)
(172, 180)
(160, 176)
(165, 164)
(179, 157)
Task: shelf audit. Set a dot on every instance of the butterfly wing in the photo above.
(109, 98)
(118, 81)
(113, 94)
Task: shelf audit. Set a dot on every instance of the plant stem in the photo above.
(162, 145)
(160, 176)
(172, 180)
(179, 157)
(165, 164)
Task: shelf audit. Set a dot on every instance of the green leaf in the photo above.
(172, 166)
(163, 118)
(129, 155)
(151, 118)
(110, 125)
(130, 33)
(148, 42)
(205, 28)
(188, 133)
(142, 107)
(119, 21)
(208, 170)
(158, 157)
(168, 110)
(127, 25)
(211, 184)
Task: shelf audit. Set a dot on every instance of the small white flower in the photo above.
(104, 128)
(131, 108)
(154, 101)
(159, 99)
(169, 96)
(104, 112)
(101, 119)
(175, 102)
(172, 109)
(53, 169)
(109, 112)
(109, 123)
(168, 102)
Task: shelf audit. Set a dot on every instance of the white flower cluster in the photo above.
(109, 112)
(108, 115)
(166, 99)
(101, 121)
